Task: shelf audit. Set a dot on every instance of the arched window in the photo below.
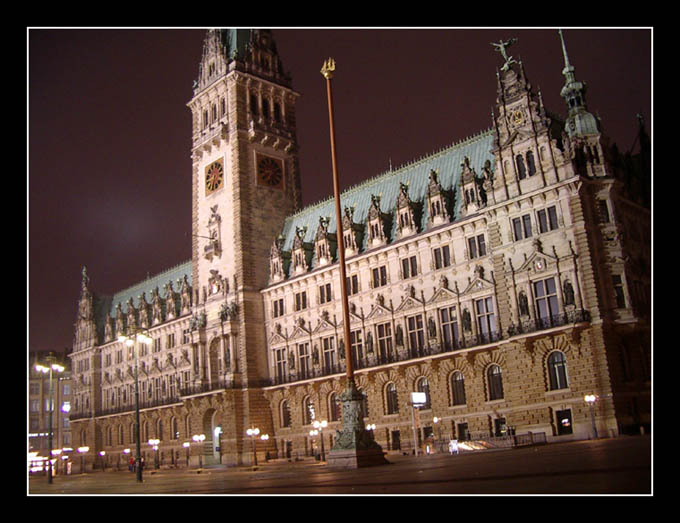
(391, 399)
(495, 381)
(174, 429)
(557, 371)
(530, 163)
(285, 414)
(159, 429)
(457, 388)
(333, 407)
(308, 413)
(422, 385)
(521, 170)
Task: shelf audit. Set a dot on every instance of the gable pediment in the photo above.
(537, 262)
(299, 332)
(323, 325)
(276, 339)
(378, 311)
(478, 284)
(409, 302)
(442, 295)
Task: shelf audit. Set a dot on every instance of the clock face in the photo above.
(214, 176)
(517, 118)
(270, 172)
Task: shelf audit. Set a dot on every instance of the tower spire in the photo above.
(579, 121)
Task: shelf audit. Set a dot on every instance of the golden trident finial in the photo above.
(328, 68)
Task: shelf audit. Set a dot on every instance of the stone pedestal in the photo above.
(354, 445)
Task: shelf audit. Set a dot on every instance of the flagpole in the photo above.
(354, 446)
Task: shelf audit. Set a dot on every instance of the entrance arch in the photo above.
(212, 429)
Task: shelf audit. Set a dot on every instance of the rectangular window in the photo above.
(449, 323)
(357, 346)
(618, 291)
(604, 211)
(170, 341)
(477, 246)
(304, 360)
(300, 300)
(442, 257)
(385, 342)
(486, 320)
(186, 336)
(409, 267)
(324, 293)
(281, 363)
(545, 295)
(522, 227)
(416, 333)
(329, 357)
(547, 219)
(278, 307)
(352, 284)
(380, 276)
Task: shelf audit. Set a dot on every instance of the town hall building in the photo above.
(507, 277)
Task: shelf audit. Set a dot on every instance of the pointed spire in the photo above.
(579, 121)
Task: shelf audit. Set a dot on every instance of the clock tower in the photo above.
(245, 181)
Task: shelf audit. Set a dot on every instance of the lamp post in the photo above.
(131, 340)
(198, 438)
(253, 432)
(590, 400)
(320, 425)
(82, 451)
(51, 367)
(154, 445)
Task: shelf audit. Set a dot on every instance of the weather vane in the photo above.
(501, 47)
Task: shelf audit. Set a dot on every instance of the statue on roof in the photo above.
(501, 48)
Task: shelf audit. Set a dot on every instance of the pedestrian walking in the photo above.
(131, 464)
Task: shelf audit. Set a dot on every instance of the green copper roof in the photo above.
(174, 275)
(447, 164)
(235, 41)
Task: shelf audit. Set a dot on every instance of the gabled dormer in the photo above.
(351, 232)
(299, 253)
(376, 224)
(405, 215)
(436, 202)
(277, 259)
(471, 189)
(324, 243)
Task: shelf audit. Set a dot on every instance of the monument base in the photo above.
(354, 445)
(353, 458)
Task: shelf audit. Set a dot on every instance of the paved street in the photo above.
(608, 466)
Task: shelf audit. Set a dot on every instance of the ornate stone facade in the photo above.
(506, 277)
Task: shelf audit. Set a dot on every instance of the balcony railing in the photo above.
(464, 342)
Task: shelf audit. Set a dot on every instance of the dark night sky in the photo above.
(109, 132)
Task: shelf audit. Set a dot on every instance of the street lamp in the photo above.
(82, 451)
(130, 340)
(320, 425)
(198, 438)
(590, 400)
(51, 367)
(154, 445)
(253, 432)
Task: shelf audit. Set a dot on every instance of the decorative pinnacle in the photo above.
(328, 68)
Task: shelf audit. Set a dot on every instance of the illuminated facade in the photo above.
(494, 276)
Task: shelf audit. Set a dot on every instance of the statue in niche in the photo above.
(369, 343)
(399, 336)
(467, 321)
(432, 328)
(568, 293)
(523, 304)
(291, 360)
(341, 348)
(315, 355)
